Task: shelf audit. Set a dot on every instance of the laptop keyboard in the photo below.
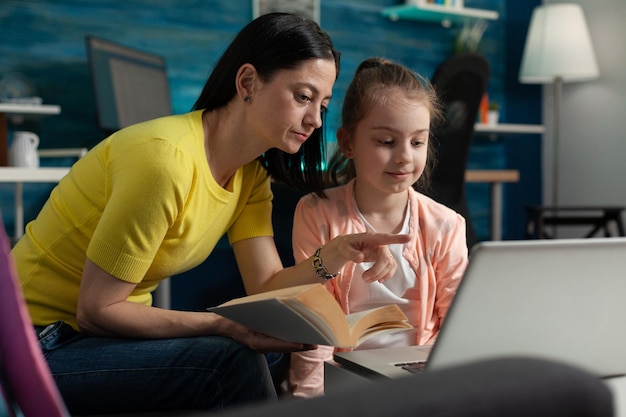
(416, 367)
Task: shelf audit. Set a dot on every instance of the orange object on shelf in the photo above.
(484, 108)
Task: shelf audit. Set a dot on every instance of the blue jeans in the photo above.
(107, 375)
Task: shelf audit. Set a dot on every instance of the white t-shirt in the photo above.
(364, 296)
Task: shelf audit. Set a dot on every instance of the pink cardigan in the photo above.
(437, 253)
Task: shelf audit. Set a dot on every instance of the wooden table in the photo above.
(495, 178)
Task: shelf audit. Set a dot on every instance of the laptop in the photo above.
(562, 299)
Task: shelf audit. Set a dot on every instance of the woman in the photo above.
(152, 200)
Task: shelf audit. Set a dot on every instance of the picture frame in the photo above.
(309, 9)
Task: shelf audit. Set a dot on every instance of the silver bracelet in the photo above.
(320, 270)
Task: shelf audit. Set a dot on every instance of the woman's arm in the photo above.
(102, 310)
(262, 270)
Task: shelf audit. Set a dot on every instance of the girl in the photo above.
(384, 150)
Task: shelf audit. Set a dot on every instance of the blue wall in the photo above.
(44, 40)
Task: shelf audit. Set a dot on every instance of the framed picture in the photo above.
(309, 9)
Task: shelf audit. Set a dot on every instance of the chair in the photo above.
(26, 379)
(460, 83)
(508, 386)
(599, 218)
(283, 208)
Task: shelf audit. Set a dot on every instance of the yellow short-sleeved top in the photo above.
(143, 206)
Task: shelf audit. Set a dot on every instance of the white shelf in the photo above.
(19, 175)
(509, 128)
(14, 108)
(438, 13)
(17, 113)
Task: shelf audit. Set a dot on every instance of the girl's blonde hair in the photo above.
(374, 81)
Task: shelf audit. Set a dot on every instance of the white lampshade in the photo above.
(558, 45)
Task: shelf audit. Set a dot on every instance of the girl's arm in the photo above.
(451, 266)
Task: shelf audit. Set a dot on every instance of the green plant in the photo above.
(494, 106)
(469, 37)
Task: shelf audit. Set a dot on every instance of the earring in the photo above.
(246, 99)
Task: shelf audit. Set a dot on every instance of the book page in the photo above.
(385, 317)
(326, 312)
(384, 329)
(333, 328)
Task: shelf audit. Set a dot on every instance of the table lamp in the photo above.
(558, 49)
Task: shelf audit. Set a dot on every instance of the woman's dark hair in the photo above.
(271, 43)
(375, 80)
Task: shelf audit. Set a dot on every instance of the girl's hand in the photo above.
(384, 267)
(366, 247)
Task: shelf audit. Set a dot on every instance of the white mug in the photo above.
(23, 151)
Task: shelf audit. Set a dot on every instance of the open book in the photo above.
(310, 314)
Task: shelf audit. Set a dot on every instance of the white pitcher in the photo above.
(23, 151)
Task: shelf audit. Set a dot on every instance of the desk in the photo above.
(19, 111)
(22, 175)
(495, 178)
